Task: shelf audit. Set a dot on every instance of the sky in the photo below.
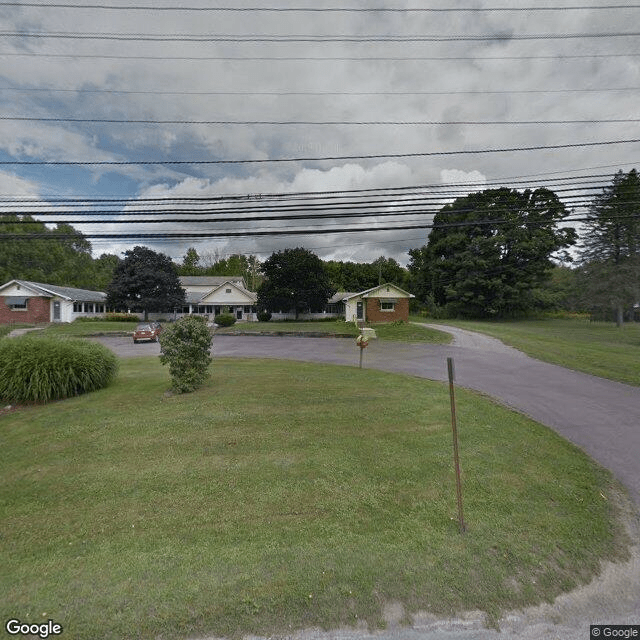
(239, 107)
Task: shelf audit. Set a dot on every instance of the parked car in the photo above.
(147, 331)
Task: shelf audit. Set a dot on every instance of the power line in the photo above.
(320, 93)
(310, 159)
(316, 58)
(288, 232)
(525, 181)
(60, 5)
(322, 122)
(214, 37)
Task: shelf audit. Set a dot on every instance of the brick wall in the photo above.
(37, 311)
(373, 313)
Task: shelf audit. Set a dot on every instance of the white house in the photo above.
(28, 302)
(213, 295)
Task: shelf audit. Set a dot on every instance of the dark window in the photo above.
(16, 303)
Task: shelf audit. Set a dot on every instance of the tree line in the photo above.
(497, 253)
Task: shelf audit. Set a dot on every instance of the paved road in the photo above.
(600, 416)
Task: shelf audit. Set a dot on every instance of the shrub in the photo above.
(225, 319)
(185, 347)
(37, 369)
(122, 317)
(264, 316)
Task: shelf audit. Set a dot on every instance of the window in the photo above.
(16, 304)
(227, 290)
(387, 306)
(247, 309)
(77, 307)
(88, 307)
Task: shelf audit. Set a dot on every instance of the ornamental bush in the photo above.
(185, 347)
(37, 369)
(225, 319)
(264, 316)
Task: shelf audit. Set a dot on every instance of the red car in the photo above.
(147, 331)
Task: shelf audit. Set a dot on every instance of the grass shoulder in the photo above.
(398, 331)
(598, 348)
(96, 328)
(226, 512)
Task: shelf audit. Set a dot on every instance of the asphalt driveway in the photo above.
(600, 416)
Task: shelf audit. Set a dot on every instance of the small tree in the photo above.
(185, 347)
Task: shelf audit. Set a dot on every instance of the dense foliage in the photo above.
(248, 267)
(355, 276)
(60, 256)
(225, 319)
(294, 279)
(186, 347)
(610, 251)
(37, 369)
(145, 281)
(489, 251)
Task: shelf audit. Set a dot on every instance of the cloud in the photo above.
(499, 79)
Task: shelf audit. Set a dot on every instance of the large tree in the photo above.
(489, 251)
(60, 255)
(145, 281)
(610, 252)
(294, 279)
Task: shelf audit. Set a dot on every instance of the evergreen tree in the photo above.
(610, 252)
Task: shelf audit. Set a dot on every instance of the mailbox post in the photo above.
(363, 343)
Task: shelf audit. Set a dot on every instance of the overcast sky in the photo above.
(487, 68)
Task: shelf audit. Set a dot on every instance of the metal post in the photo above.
(454, 429)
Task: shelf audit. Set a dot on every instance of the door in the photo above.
(360, 310)
(239, 313)
(56, 311)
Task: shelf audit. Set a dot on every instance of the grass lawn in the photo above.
(286, 495)
(404, 332)
(80, 329)
(593, 347)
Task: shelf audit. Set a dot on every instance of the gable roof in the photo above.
(340, 296)
(68, 293)
(370, 293)
(209, 281)
(196, 297)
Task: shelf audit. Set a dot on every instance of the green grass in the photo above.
(282, 496)
(81, 329)
(6, 329)
(403, 332)
(600, 349)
